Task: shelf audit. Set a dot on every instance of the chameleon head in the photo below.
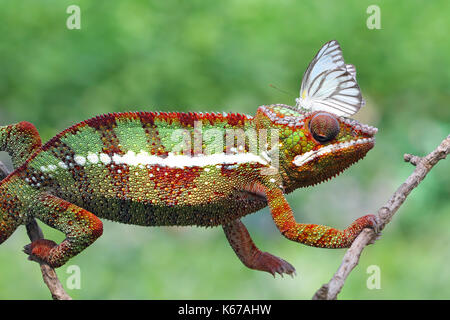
(328, 145)
(316, 145)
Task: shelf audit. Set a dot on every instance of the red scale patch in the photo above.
(119, 175)
(172, 182)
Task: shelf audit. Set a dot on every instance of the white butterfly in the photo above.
(329, 84)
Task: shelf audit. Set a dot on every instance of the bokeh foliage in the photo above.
(222, 56)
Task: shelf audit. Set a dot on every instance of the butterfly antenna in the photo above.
(283, 91)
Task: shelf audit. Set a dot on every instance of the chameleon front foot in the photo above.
(39, 250)
(265, 261)
(368, 221)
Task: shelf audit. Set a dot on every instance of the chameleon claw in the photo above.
(377, 237)
(272, 264)
(375, 224)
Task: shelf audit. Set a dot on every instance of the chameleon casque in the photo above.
(128, 167)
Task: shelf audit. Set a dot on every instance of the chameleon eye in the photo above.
(324, 127)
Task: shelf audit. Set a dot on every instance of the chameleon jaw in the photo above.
(302, 159)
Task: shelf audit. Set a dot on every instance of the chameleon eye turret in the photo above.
(324, 127)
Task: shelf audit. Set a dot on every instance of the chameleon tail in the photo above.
(11, 207)
(20, 140)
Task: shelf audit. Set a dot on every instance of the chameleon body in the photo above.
(161, 169)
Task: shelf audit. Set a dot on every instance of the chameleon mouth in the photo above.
(302, 159)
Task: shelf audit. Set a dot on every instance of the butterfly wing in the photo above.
(351, 69)
(329, 84)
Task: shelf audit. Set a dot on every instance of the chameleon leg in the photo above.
(250, 255)
(312, 234)
(20, 140)
(81, 228)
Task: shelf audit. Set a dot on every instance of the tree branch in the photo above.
(423, 165)
(48, 273)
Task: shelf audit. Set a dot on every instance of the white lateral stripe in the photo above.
(172, 160)
(180, 161)
(79, 160)
(92, 157)
(105, 158)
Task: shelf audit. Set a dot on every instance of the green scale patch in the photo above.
(86, 140)
(131, 135)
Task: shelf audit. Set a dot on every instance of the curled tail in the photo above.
(20, 140)
(10, 209)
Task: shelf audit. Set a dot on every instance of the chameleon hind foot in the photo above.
(39, 250)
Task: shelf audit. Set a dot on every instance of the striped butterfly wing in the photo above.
(329, 84)
(352, 70)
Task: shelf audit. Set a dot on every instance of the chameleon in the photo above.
(181, 168)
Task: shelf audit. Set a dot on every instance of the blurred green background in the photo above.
(223, 56)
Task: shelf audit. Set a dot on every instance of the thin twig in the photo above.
(423, 165)
(48, 273)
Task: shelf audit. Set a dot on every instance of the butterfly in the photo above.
(329, 84)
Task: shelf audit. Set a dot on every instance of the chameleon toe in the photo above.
(272, 264)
